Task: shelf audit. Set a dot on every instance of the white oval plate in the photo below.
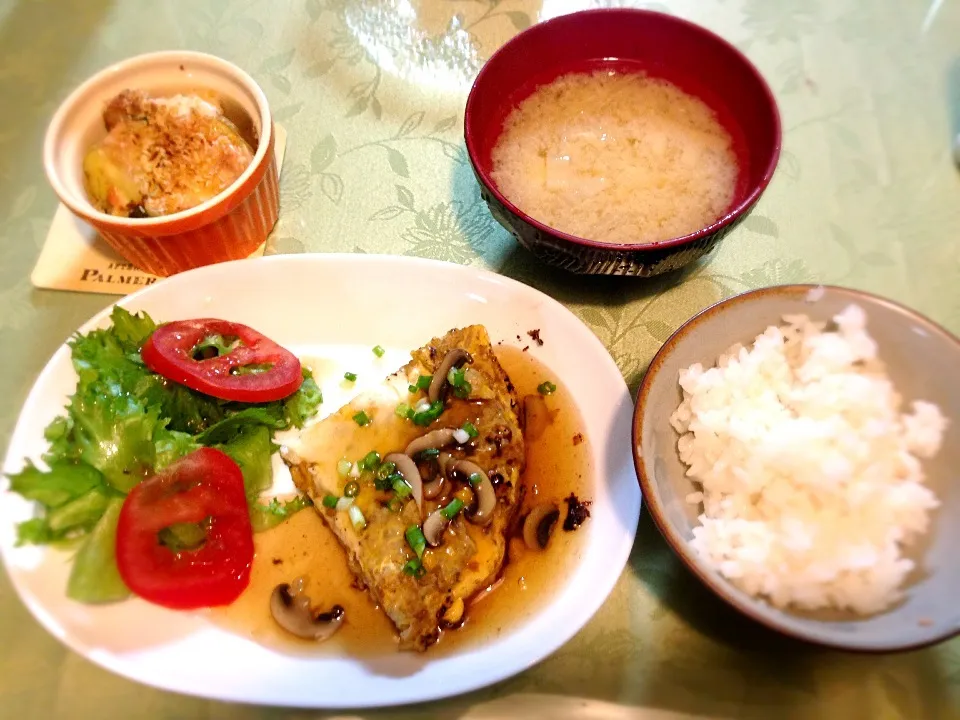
(329, 306)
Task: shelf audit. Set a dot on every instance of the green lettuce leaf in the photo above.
(34, 531)
(185, 410)
(215, 346)
(303, 404)
(183, 536)
(59, 434)
(82, 513)
(124, 423)
(270, 416)
(94, 577)
(252, 449)
(115, 434)
(64, 482)
(131, 330)
(171, 445)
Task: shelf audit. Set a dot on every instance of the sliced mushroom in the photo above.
(435, 487)
(431, 441)
(433, 528)
(486, 495)
(408, 468)
(440, 484)
(292, 612)
(454, 358)
(539, 525)
(444, 461)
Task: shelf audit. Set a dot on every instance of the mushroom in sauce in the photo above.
(434, 527)
(291, 610)
(433, 440)
(454, 358)
(439, 486)
(486, 495)
(408, 468)
(539, 524)
(436, 487)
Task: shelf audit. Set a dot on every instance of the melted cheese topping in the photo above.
(162, 155)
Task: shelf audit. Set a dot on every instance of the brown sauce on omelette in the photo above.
(558, 464)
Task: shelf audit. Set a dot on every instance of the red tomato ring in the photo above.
(204, 486)
(169, 352)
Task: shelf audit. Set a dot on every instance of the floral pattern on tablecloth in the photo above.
(372, 94)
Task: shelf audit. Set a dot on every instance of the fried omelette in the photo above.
(468, 453)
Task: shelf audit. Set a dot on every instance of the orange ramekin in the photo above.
(230, 226)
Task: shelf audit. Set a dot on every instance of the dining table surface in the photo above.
(371, 94)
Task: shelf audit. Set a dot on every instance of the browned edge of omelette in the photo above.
(471, 555)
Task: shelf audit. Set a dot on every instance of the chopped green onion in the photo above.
(352, 377)
(351, 489)
(425, 417)
(416, 540)
(395, 505)
(414, 567)
(386, 469)
(400, 486)
(344, 503)
(451, 510)
(403, 410)
(370, 461)
(429, 453)
(470, 429)
(344, 467)
(476, 479)
(546, 388)
(413, 389)
(423, 382)
(458, 378)
(379, 351)
(330, 501)
(361, 419)
(356, 517)
(385, 481)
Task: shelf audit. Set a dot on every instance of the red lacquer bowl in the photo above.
(694, 59)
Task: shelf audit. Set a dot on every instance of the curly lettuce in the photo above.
(122, 424)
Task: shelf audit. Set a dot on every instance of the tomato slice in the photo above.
(206, 488)
(255, 370)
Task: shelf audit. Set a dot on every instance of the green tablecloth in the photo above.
(372, 94)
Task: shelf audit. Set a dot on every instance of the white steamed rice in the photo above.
(809, 473)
